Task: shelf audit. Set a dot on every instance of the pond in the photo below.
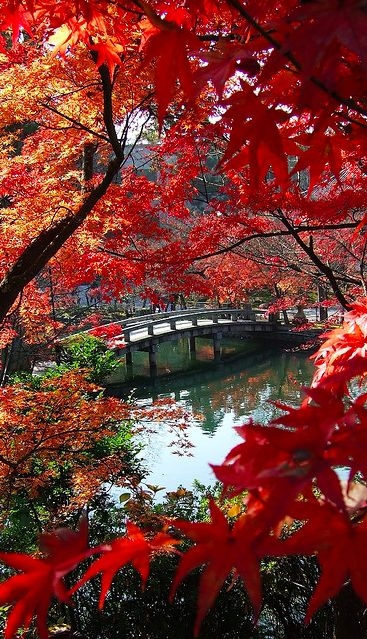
(216, 397)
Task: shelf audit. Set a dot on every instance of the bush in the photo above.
(90, 352)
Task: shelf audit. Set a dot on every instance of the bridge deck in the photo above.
(144, 332)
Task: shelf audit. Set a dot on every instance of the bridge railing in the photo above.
(173, 318)
(248, 313)
(193, 315)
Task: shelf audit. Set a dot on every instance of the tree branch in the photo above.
(323, 268)
(270, 234)
(75, 123)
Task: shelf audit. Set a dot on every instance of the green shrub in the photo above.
(89, 352)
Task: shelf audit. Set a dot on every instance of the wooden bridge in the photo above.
(146, 332)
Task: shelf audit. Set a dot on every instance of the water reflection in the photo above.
(223, 396)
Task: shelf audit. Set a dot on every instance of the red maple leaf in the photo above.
(223, 549)
(351, 439)
(339, 544)
(169, 45)
(108, 53)
(324, 25)
(203, 8)
(223, 63)
(287, 459)
(106, 331)
(255, 138)
(343, 355)
(135, 549)
(41, 579)
(16, 18)
(324, 148)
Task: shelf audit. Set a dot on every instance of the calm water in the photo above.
(216, 398)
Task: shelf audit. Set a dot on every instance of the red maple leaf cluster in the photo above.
(112, 334)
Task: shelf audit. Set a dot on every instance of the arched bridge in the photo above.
(146, 332)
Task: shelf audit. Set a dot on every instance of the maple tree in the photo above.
(273, 91)
(58, 433)
(125, 234)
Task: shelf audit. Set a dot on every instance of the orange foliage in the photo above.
(59, 422)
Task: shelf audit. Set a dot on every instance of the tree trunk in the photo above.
(321, 297)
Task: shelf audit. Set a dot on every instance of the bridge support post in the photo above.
(153, 360)
(192, 345)
(129, 364)
(150, 329)
(216, 346)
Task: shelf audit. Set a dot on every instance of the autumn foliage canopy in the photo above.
(278, 91)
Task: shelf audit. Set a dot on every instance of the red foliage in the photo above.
(222, 548)
(340, 545)
(135, 548)
(113, 334)
(264, 81)
(41, 579)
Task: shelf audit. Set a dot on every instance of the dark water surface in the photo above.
(217, 397)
